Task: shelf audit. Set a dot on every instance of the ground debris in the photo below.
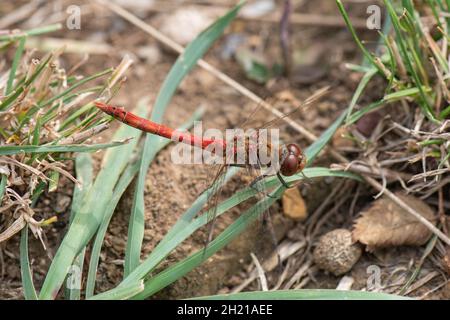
(294, 207)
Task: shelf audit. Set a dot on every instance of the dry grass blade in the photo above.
(261, 274)
(19, 14)
(282, 253)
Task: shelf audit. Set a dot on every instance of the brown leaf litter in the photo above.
(385, 224)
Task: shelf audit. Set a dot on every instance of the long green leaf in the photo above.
(185, 62)
(120, 293)
(25, 268)
(359, 90)
(369, 108)
(366, 53)
(185, 226)
(84, 171)
(31, 32)
(312, 151)
(305, 294)
(425, 105)
(14, 65)
(40, 106)
(3, 180)
(9, 150)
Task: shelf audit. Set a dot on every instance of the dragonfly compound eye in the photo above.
(301, 162)
(293, 160)
(289, 165)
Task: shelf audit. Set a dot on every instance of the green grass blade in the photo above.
(25, 268)
(10, 150)
(366, 53)
(122, 185)
(313, 150)
(121, 293)
(42, 105)
(3, 180)
(425, 106)
(185, 62)
(76, 85)
(444, 113)
(76, 115)
(84, 171)
(31, 32)
(401, 94)
(14, 65)
(369, 108)
(305, 294)
(14, 94)
(359, 90)
(188, 59)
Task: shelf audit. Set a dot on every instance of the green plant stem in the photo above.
(31, 32)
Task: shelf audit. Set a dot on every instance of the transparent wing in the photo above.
(214, 195)
(301, 107)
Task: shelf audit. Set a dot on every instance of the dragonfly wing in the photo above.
(214, 193)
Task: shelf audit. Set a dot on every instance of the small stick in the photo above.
(19, 14)
(261, 274)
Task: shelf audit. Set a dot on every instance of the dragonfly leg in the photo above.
(256, 180)
(284, 183)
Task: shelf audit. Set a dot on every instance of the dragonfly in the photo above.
(289, 158)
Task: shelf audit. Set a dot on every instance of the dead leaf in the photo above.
(294, 207)
(385, 224)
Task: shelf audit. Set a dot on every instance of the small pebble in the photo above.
(294, 207)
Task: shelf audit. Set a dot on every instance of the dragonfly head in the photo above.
(292, 160)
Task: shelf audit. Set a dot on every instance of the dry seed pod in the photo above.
(336, 252)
